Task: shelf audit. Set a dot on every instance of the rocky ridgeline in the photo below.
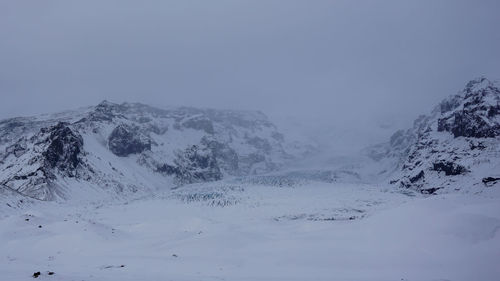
(456, 147)
(126, 147)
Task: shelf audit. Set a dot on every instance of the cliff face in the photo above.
(456, 147)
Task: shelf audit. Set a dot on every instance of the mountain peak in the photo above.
(106, 103)
(458, 140)
(478, 85)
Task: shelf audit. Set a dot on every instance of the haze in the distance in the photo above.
(348, 68)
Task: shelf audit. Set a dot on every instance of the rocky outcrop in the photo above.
(207, 161)
(63, 150)
(477, 114)
(125, 140)
(457, 142)
(103, 112)
(449, 168)
(195, 164)
(37, 162)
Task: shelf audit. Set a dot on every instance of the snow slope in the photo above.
(257, 232)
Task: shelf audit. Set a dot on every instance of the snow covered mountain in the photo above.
(456, 147)
(267, 219)
(123, 148)
(133, 147)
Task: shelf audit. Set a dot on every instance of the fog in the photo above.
(357, 70)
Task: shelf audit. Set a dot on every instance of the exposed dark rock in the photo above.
(418, 177)
(468, 124)
(36, 274)
(449, 168)
(105, 111)
(204, 162)
(431, 190)
(195, 164)
(477, 117)
(64, 148)
(126, 140)
(166, 169)
(489, 181)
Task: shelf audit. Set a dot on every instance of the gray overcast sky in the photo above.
(346, 63)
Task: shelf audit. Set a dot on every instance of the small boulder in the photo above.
(490, 181)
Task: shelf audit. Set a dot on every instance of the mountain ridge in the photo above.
(455, 147)
(176, 146)
(135, 148)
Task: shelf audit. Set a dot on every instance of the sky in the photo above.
(342, 67)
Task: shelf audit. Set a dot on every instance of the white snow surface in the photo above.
(236, 231)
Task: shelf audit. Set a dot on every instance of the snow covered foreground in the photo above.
(254, 232)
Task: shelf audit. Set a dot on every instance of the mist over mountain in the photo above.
(128, 148)
(345, 67)
(250, 140)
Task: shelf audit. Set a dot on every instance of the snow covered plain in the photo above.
(227, 231)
